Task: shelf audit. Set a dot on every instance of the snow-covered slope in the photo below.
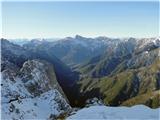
(46, 106)
(138, 112)
(32, 92)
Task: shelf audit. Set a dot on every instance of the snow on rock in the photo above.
(18, 98)
(146, 41)
(93, 102)
(90, 43)
(12, 87)
(138, 112)
(47, 106)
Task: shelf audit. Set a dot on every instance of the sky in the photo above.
(89, 19)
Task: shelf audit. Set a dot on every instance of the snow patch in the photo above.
(138, 112)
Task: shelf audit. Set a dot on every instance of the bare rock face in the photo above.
(38, 77)
(25, 93)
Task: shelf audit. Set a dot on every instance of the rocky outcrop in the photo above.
(25, 93)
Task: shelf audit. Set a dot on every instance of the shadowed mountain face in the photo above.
(18, 55)
(27, 91)
(122, 56)
(117, 88)
(128, 71)
(13, 56)
(73, 51)
(117, 71)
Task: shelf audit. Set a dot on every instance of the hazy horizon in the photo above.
(89, 19)
(56, 38)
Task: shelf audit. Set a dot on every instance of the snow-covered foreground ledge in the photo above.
(138, 112)
(47, 106)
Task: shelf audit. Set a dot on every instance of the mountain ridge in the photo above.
(73, 71)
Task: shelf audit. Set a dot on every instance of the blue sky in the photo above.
(90, 19)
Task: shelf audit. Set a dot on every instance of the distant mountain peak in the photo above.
(79, 37)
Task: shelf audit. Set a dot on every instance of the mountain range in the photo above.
(70, 71)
